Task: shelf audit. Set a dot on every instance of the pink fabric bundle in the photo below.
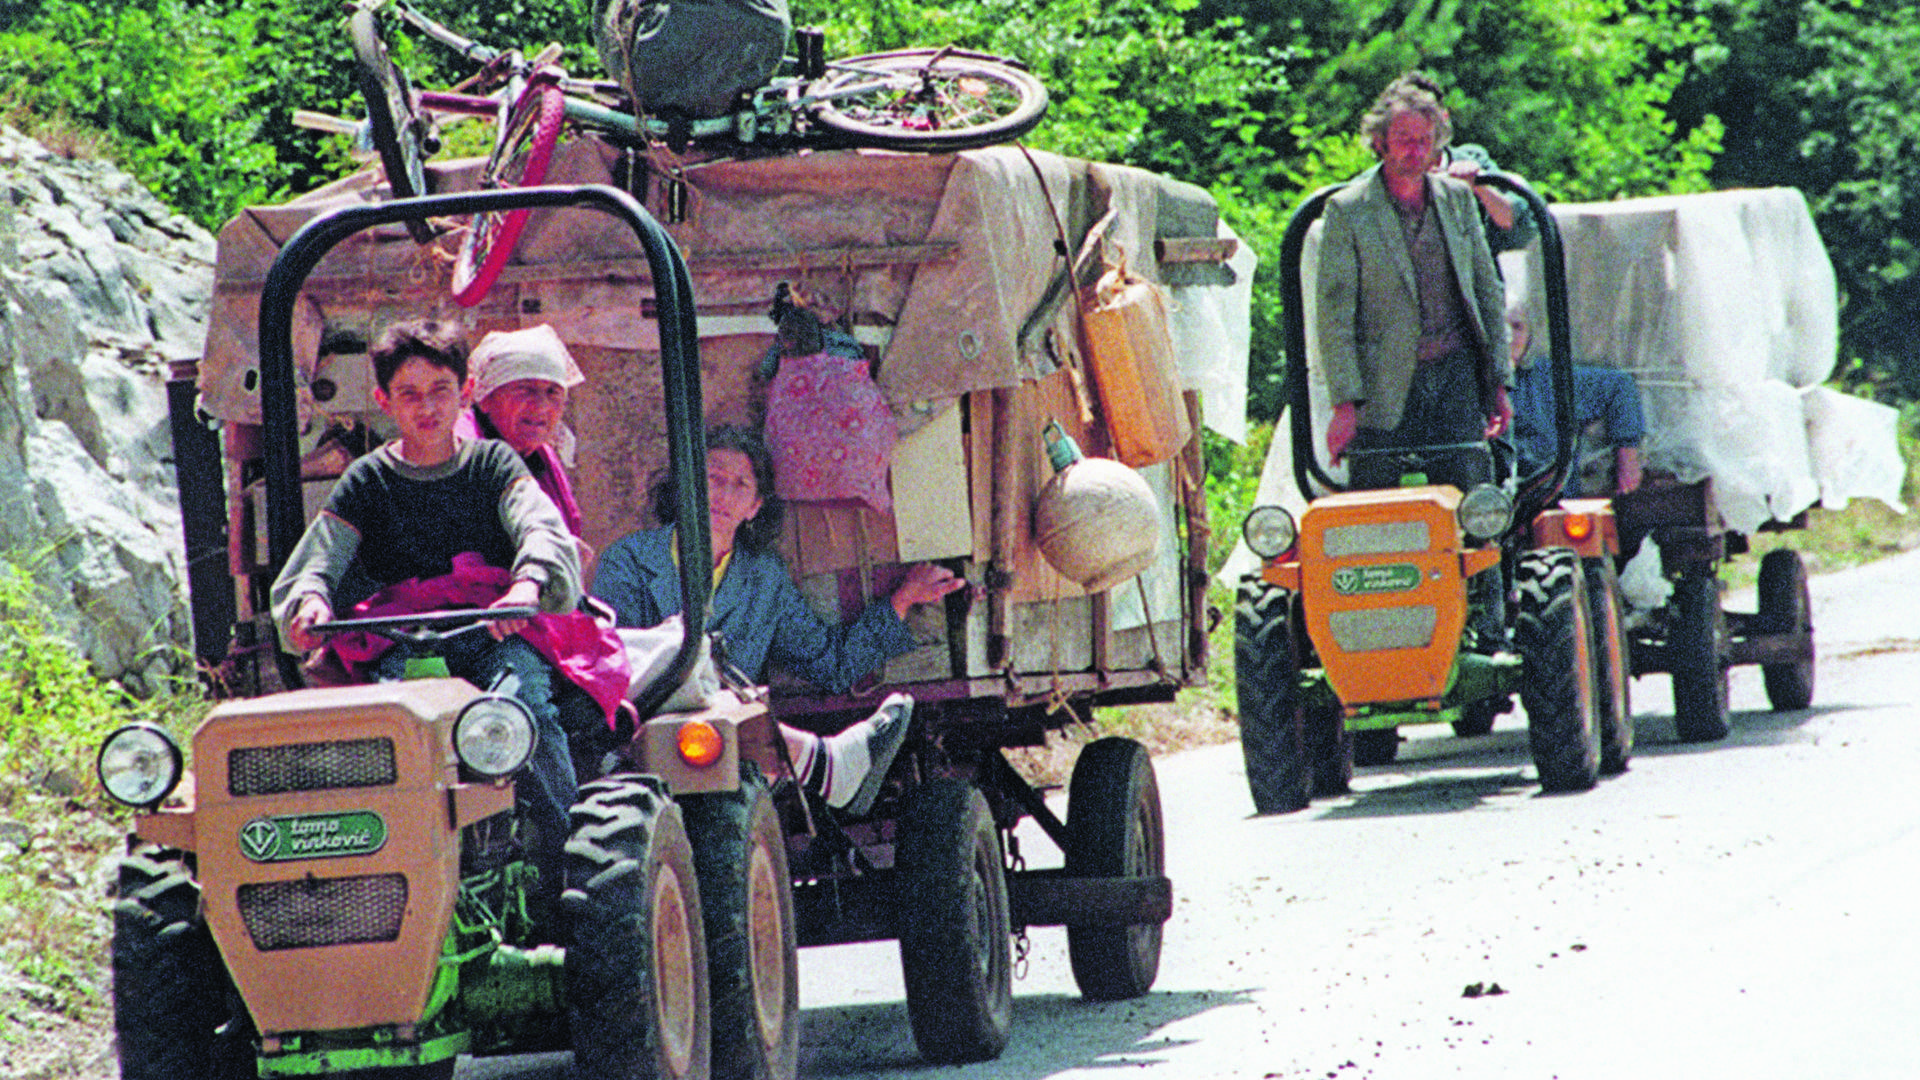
(587, 652)
(830, 431)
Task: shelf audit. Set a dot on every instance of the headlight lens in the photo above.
(1485, 512)
(494, 736)
(139, 765)
(1269, 531)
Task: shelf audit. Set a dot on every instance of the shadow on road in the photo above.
(1051, 1033)
(1655, 735)
(1430, 795)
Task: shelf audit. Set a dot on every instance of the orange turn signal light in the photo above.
(1579, 526)
(699, 743)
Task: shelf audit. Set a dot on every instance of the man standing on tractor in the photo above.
(1411, 306)
(1412, 325)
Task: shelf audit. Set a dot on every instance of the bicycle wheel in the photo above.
(521, 154)
(393, 119)
(934, 100)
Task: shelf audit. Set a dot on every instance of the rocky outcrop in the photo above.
(101, 289)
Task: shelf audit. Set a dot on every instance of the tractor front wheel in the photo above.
(1554, 633)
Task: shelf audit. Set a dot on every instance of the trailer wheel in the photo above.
(1613, 698)
(1376, 746)
(746, 898)
(637, 969)
(1554, 634)
(175, 1014)
(1266, 664)
(955, 928)
(1786, 608)
(1698, 658)
(1114, 829)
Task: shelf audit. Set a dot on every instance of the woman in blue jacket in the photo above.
(762, 617)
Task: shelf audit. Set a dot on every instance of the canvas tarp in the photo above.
(949, 264)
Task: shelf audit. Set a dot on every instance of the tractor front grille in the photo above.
(1373, 629)
(319, 766)
(1377, 538)
(311, 912)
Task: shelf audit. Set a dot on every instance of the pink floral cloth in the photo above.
(830, 431)
(587, 652)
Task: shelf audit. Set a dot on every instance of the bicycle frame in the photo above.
(773, 111)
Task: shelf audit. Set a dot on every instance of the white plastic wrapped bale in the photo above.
(1723, 308)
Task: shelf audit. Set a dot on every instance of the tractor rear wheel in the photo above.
(746, 896)
(1613, 668)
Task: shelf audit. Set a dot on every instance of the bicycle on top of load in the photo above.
(929, 100)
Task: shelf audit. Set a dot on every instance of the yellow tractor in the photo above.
(1362, 617)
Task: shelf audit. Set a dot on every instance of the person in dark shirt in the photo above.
(434, 520)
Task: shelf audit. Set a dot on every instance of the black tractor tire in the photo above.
(1330, 748)
(1376, 746)
(746, 897)
(1786, 608)
(955, 924)
(637, 967)
(1266, 667)
(175, 1014)
(1554, 634)
(1114, 829)
(1613, 667)
(1476, 717)
(1697, 647)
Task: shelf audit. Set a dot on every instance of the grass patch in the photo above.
(58, 830)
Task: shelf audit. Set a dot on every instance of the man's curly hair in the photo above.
(1415, 92)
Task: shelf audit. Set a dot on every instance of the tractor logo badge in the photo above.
(1385, 577)
(312, 836)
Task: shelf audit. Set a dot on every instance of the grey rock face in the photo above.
(101, 288)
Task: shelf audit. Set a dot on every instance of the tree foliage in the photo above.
(1257, 100)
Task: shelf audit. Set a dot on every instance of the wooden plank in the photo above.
(932, 513)
(1195, 249)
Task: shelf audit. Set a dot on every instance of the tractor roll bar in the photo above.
(679, 368)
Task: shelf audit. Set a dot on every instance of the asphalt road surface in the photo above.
(1740, 909)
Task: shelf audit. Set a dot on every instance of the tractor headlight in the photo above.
(494, 736)
(1269, 531)
(1485, 512)
(139, 765)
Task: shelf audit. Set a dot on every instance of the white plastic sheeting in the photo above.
(1723, 308)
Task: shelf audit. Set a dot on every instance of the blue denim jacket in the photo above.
(759, 612)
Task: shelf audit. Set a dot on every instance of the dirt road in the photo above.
(1736, 909)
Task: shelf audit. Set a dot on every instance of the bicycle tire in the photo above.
(393, 118)
(955, 100)
(524, 148)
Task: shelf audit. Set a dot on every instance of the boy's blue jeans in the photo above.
(547, 787)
